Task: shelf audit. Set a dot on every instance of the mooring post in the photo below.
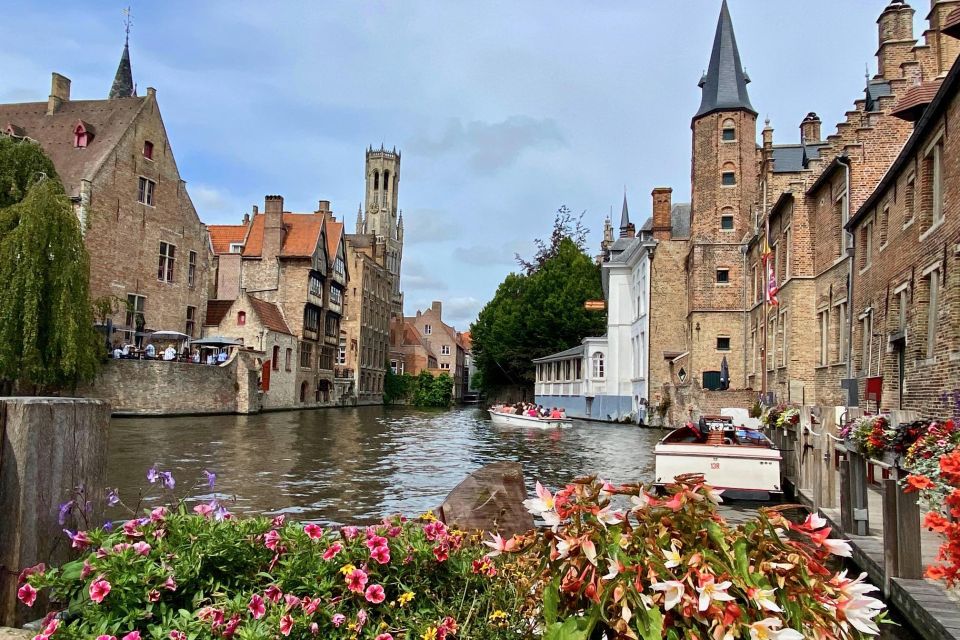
(858, 494)
(891, 556)
(846, 500)
(910, 558)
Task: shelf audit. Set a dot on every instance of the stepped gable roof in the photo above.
(915, 100)
(110, 119)
(216, 310)
(725, 83)
(334, 233)
(223, 235)
(270, 316)
(300, 238)
(949, 89)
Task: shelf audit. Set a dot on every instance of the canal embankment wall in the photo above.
(157, 387)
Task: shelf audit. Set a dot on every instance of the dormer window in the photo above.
(148, 150)
(82, 135)
(241, 318)
(236, 247)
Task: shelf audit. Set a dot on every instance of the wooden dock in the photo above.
(863, 503)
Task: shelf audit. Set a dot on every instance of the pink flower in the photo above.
(374, 594)
(80, 540)
(278, 521)
(349, 532)
(142, 548)
(177, 635)
(106, 637)
(86, 570)
(131, 528)
(332, 550)
(170, 584)
(272, 539)
(384, 636)
(376, 541)
(441, 552)
(27, 595)
(291, 600)
(313, 531)
(273, 593)
(120, 547)
(435, 531)
(356, 580)
(361, 619)
(153, 596)
(310, 605)
(314, 628)
(381, 555)
(203, 510)
(257, 607)
(133, 635)
(338, 619)
(49, 629)
(159, 514)
(286, 625)
(99, 589)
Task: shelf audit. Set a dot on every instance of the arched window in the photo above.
(386, 180)
(303, 392)
(289, 359)
(241, 318)
(376, 180)
(729, 130)
(276, 358)
(597, 364)
(728, 177)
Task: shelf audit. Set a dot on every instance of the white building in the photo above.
(605, 378)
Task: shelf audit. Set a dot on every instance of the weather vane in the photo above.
(127, 21)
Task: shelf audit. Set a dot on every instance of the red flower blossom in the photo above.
(919, 483)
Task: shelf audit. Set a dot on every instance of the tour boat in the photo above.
(743, 462)
(516, 420)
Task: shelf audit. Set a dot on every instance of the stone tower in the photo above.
(723, 191)
(382, 217)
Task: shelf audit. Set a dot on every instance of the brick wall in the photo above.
(155, 387)
(668, 314)
(123, 236)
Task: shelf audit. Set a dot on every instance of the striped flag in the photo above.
(772, 288)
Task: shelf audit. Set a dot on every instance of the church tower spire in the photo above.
(123, 86)
(625, 226)
(725, 82)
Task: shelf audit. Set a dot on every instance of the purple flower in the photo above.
(108, 525)
(65, 510)
(168, 480)
(211, 478)
(221, 513)
(113, 498)
(152, 474)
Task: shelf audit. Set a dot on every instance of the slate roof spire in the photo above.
(725, 82)
(123, 86)
(624, 214)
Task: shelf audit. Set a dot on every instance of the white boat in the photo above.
(743, 462)
(516, 420)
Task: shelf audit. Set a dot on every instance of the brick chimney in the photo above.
(323, 205)
(59, 93)
(895, 38)
(810, 128)
(272, 226)
(662, 207)
(436, 307)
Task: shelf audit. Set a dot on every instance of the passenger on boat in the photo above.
(555, 414)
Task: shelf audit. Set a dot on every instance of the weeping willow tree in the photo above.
(47, 339)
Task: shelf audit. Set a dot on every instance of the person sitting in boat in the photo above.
(532, 412)
(555, 414)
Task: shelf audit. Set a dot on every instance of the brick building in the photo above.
(150, 254)
(380, 215)
(365, 330)
(777, 212)
(295, 261)
(442, 341)
(906, 287)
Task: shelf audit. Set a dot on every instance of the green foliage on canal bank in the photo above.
(539, 311)
(47, 339)
(423, 390)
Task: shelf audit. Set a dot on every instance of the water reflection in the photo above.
(356, 465)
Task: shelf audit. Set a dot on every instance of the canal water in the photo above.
(336, 466)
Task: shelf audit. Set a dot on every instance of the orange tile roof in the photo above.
(300, 238)
(915, 101)
(467, 340)
(270, 316)
(223, 235)
(334, 233)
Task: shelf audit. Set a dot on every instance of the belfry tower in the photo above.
(723, 190)
(382, 217)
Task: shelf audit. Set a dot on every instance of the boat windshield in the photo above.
(728, 434)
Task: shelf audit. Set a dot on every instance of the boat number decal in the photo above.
(714, 465)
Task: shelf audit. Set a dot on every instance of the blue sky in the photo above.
(503, 110)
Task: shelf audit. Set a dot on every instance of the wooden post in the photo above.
(891, 557)
(846, 506)
(48, 446)
(910, 561)
(858, 494)
(828, 417)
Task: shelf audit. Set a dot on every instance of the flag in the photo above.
(772, 288)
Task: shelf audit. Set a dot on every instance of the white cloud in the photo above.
(208, 199)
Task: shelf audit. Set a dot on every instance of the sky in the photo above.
(503, 111)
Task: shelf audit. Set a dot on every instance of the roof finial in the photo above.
(123, 86)
(127, 21)
(725, 82)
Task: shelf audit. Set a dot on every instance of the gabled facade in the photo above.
(442, 340)
(150, 253)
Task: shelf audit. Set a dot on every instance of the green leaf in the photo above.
(72, 570)
(551, 598)
(650, 624)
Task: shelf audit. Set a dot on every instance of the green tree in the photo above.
(540, 312)
(396, 387)
(430, 391)
(47, 339)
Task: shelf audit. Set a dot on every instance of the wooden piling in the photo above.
(846, 504)
(910, 560)
(890, 533)
(858, 494)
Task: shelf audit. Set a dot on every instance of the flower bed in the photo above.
(654, 568)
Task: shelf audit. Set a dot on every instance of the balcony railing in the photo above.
(572, 388)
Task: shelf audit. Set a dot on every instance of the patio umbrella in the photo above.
(168, 335)
(724, 374)
(215, 341)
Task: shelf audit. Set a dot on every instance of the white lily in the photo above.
(641, 501)
(543, 502)
(608, 516)
(551, 519)
(838, 547)
(613, 570)
(563, 549)
(711, 591)
(853, 589)
(815, 521)
(766, 629)
(714, 495)
(860, 613)
(765, 600)
(672, 592)
(674, 559)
